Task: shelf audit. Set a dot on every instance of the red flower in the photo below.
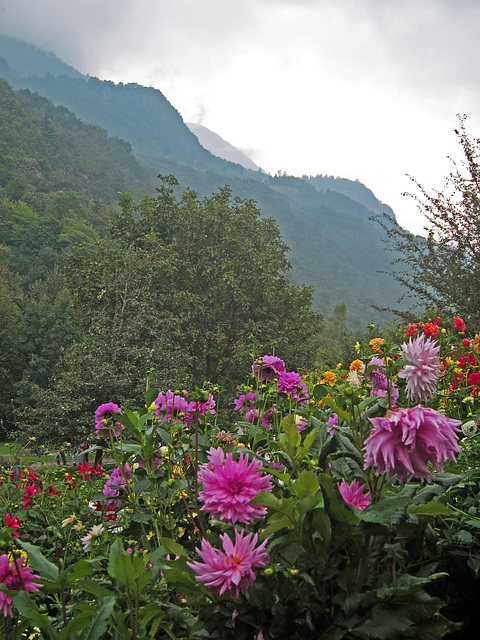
(86, 470)
(431, 330)
(51, 490)
(13, 523)
(466, 359)
(459, 324)
(30, 491)
(474, 381)
(412, 329)
(437, 320)
(69, 481)
(466, 343)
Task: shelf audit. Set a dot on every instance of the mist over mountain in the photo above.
(335, 248)
(220, 147)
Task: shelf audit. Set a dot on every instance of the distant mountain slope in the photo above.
(220, 147)
(325, 221)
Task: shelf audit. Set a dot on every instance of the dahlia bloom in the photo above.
(245, 401)
(267, 367)
(288, 382)
(229, 486)
(383, 393)
(230, 570)
(459, 324)
(377, 377)
(474, 381)
(422, 375)
(15, 577)
(251, 416)
(354, 379)
(104, 424)
(412, 329)
(94, 532)
(267, 419)
(199, 408)
(171, 408)
(405, 440)
(354, 494)
(430, 330)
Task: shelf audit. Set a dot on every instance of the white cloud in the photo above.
(365, 90)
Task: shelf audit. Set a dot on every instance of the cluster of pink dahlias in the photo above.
(175, 408)
(105, 425)
(115, 486)
(355, 494)
(15, 577)
(405, 440)
(231, 570)
(229, 486)
(423, 373)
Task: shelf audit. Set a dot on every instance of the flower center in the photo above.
(235, 486)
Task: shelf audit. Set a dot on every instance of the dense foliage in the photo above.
(185, 289)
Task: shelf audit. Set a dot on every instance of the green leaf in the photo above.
(173, 547)
(306, 484)
(321, 390)
(151, 395)
(44, 567)
(432, 508)
(290, 433)
(99, 623)
(29, 610)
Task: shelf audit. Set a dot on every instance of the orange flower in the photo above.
(476, 343)
(329, 377)
(374, 345)
(357, 365)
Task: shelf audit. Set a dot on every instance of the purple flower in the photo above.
(245, 401)
(115, 485)
(199, 408)
(104, 424)
(171, 407)
(422, 375)
(16, 577)
(354, 494)
(405, 440)
(267, 367)
(230, 570)
(229, 486)
(289, 382)
(382, 393)
(377, 377)
(267, 419)
(251, 416)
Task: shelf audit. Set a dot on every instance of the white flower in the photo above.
(96, 530)
(354, 379)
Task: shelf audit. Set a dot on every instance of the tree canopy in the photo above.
(187, 289)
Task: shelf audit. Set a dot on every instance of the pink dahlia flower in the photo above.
(245, 401)
(230, 570)
(267, 367)
(15, 577)
(289, 382)
(405, 440)
(104, 423)
(199, 408)
(171, 408)
(354, 494)
(229, 486)
(377, 377)
(423, 373)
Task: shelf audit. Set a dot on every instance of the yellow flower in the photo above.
(79, 526)
(152, 407)
(339, 366)
(476, 343)
(357, 347)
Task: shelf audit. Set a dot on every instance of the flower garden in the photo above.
(337, 503)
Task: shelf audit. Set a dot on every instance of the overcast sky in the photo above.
(361, 89)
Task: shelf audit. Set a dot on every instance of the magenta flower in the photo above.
(382, 393)
(199, 408)
(251, 416)
(289, 382)
(230, 485)
(422, 375)
(267, 367)
(104, 424)
(245, 401)
(230, 570)
(377, 377)
(354, 494)
(267, 419)
(171, 408)
(405, 440)
(15, 577)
